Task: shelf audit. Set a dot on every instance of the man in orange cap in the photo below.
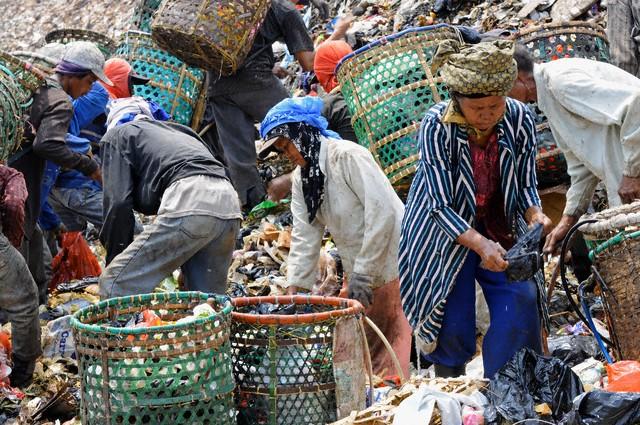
(123, 78)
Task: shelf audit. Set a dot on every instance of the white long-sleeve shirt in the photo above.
(594, 114)
(361, 211)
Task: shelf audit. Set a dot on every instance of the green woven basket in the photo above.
(550, 42)
(173, 374)
(143, 14)
(18, 81)
(283, 362)
(388, 87)
(175, 86)
(68, 35)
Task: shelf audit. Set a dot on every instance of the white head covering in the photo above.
(127, 109)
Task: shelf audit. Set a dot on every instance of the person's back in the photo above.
(593, 110)
(158, 154)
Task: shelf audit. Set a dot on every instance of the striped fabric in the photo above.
(441, 206)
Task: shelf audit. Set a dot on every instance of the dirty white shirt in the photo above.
(361, 211)
(594, 114)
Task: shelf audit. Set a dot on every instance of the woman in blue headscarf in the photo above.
(339, 186)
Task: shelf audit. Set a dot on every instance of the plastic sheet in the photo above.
(574, 349)
(604, 408)
(624, 376)
(527, 380)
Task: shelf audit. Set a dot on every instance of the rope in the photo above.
(367, 355)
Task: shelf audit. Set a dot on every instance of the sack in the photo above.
(74, 261)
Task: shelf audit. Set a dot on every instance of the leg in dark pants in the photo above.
(515, 321)
(235, 115)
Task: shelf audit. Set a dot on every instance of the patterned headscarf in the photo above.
(306, 139)
(485, 68)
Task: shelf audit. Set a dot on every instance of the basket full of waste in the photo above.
(68, 35)
(388, 87)
(549, 42)
(174, 85)
(143, 14)
(284, 359)
(155, 359)
(18, 81)
(214, 35)
(616, 232)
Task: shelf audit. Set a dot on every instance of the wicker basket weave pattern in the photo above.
(388, 87)
(67, 35)
(173, 374)
(617, 259)
(556, 41)
(283, 364)
(143, 14)
(18, 82)
(174, 85)
(215, 35)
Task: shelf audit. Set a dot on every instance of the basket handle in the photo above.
(385, 341)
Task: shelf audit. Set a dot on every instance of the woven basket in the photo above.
(67, 35)
(550, 42)
(388, 88)
(18, 81)
(175, 86)
(143, 14)
(283, 364)
(173, 374)
(617, 258)
(215, 35)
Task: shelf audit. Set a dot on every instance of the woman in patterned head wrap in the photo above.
(473, 195)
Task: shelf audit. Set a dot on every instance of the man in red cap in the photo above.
(123, 77)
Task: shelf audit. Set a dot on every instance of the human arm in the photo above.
(297, 38)
(119, 223)
(341, 28)
(306, 241)
(54, 116)
(12, 204)
(621, 32)
(88, 107)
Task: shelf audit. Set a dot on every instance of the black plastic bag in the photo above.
(527, 380)
(605, 408)
(574, 349)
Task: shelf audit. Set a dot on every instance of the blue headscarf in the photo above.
(297, 109)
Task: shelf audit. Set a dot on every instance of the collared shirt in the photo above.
(361, 211)
(623, 32)
(593, 110)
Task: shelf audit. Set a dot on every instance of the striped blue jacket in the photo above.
(441, 206)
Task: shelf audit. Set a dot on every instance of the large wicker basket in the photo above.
(18, 81)
(617, 258)
(556, 41)
(215, 35)
(283, 362)
(45, 63)
(170, 374)
(143, 14)
(67, 35)
(174, 85)
(388, 87)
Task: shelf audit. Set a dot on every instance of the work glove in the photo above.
(360, 289)
(323, 8)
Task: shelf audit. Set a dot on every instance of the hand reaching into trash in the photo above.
(341, 28)
(629, 189)
(491, 253)
(360, 289)
(554, 239)
(279, 187)
(280, 72)
(535, 215)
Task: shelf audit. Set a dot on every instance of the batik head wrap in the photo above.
(485, 68)
(300, 120)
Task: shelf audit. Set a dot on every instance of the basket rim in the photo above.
(353, 307)
(105, 39)
(386, 39)
(556, 25)
(168, 296)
